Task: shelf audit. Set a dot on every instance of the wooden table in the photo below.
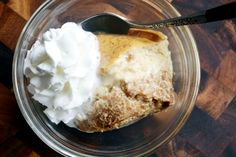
(209, 132)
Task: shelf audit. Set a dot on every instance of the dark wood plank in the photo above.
(227, 119)
(205, 134)
(226, 71)
(15, 148)
(6, 58)
(224, 33)
(8, 114)
(178, 147)
(11, 25)
(209, 54)
(166, 150)
(214, 98)
(24, 8)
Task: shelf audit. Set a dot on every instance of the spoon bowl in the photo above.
(107, 23)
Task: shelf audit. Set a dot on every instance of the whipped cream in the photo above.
(62, 71)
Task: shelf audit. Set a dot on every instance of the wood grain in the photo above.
(11, 25)
(24, 8)
(225, 35)
(227, 119)
(6, 58)
(226, 71)
(7, 113)
(215, 98)
(14, 147)
(211, 129)
(205, 134)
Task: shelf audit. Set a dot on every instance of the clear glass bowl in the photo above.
(139, 139)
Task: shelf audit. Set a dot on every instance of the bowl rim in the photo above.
(57, 146)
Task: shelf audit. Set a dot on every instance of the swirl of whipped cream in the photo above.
(62, 71)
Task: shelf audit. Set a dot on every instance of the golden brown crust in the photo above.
(120, 105)
(111, 110)
(147, 33)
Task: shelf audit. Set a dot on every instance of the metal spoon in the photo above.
(112, 23)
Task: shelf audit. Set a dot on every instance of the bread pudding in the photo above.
(136, 80)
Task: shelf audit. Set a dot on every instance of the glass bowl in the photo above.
(139, 139)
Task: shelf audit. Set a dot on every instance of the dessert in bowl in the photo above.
(139, 138)
(101, 82)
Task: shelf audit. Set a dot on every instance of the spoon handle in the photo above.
(223, 12)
